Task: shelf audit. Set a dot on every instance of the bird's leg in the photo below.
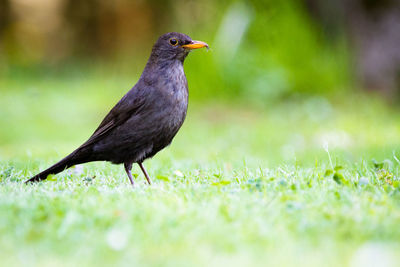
(128, 168)
(144, 172)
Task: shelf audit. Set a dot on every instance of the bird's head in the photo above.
(174, 46)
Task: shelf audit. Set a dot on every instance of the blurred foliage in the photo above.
(260, 50)
(281, 54)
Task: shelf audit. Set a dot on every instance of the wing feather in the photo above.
(119, 114)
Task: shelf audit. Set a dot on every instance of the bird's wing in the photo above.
(120, 113)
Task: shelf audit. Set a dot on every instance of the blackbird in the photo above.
(147, 118)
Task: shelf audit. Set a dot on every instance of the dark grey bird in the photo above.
(147, 118)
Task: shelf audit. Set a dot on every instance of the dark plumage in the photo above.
(147, 118)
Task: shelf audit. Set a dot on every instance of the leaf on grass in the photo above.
(162, 177)
(51, 177)
(338, 178)
(221, 183)
(328, 172)
(378, 165)
(338, 167)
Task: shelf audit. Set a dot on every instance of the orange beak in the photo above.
(195, 45)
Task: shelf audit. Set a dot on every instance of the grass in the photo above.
(306, 182)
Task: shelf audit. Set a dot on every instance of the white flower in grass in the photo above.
(178, 173)
(116, 239)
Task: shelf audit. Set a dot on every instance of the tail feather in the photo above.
(60, 166)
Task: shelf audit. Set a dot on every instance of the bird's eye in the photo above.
(173, 41)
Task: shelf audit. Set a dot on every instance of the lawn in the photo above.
(306, 181)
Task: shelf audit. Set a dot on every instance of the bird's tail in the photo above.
(67, 162)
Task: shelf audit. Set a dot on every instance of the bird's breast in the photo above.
(174, 87)
(169, 94)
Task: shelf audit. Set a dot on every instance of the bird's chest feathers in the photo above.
(173, 86)
(170, 96)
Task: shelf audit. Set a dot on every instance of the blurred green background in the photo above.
(64, 63)
(259, 49)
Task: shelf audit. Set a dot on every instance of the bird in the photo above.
(147, 117)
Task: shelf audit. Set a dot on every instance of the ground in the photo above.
(308, 181)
